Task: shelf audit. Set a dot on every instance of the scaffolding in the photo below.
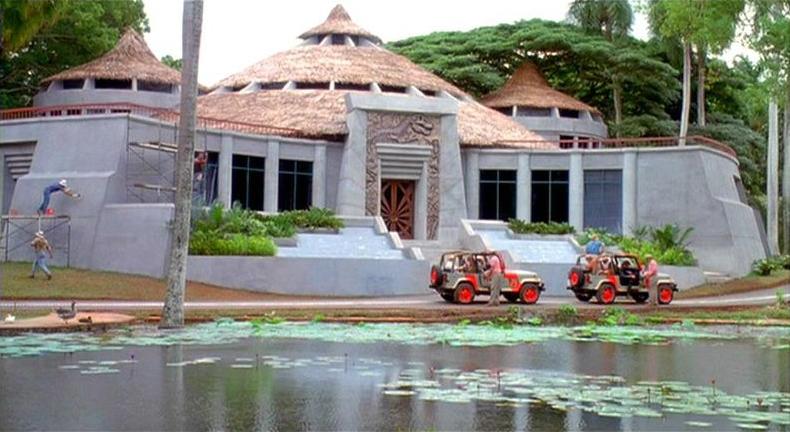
(18, 231)
(151, 167)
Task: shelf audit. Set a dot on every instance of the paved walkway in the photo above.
(762, 297)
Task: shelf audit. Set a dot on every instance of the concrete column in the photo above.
(773, 178)
(134, 84)
(524, 188)
(472, 178)
(225, 171)
(351, 184)
(272, 175)
(629, 191)
(576, 191)
(319, 176)
(421, 205)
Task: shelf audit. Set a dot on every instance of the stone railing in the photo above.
(642, 142)
(170, 116)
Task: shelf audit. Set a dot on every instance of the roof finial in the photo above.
(339, 22)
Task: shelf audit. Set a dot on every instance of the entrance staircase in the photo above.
(431, 249)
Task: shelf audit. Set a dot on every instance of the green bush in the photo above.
(668, 244)
(766, 266)
(315, 218)
(519, 226)
(202, 243)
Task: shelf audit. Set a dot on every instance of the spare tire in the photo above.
(576, 278)
(437, 278)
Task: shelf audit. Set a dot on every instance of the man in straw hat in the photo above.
(41, 247)
(61, 186)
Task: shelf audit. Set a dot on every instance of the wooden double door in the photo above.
(397, 206)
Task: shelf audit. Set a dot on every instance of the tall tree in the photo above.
(770, 36)
(612, 19)
(83, 31)
(192, 22)
(705, 24)
(21, 20)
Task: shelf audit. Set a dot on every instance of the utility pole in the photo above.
(786, 174)
(773, 178)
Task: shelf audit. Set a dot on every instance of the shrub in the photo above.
(315, 218)
(202, 243)
(766, 266)
(668, 244)
(519, 226)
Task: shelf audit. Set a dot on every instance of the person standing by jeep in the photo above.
(496, 275)
(648, 275)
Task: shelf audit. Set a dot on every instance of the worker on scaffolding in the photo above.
(61, 186)
(41, 247)
(201, 159)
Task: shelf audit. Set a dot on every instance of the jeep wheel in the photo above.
(530, 293)
(511, 297)
(436, 276)
(464, 293)
(582, 296)
(606, 294)
(448, 297)
(640, 297)
(665, 294)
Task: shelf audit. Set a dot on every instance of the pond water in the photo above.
(238, 376)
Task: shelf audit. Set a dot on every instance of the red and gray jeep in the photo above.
(616, 275)
(459, 277)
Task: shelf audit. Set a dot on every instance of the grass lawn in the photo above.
(70, 283)
(744, 284)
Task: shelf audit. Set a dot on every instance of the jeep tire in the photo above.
(606, 294)
(464, 293)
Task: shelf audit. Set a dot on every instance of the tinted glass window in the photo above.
(549, 196)
(294, 185)
(248, 181)
(497, 194)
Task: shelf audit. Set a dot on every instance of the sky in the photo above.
(239, 33)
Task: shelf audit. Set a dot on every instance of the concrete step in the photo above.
(717, 277)
(431, 249)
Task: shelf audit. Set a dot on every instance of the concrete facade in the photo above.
(110, 231)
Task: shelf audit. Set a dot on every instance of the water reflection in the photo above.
(338, 386)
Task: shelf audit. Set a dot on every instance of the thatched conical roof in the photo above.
(528, 87)
(130, 58)
(321, 113)
(341, 64)
(339, 22)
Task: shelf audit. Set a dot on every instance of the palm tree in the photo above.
(613, 20)
(173, 311)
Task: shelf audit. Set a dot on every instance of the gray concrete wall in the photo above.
(326, 277)
(695, 188)
(552, 127)
(133, 238)
(86, 151)
(104, 96)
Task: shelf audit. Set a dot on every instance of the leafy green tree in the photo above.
(612, 19)
(574, 61)
(174, 63)
(707, 25)
(85, 30)
(770, 36)
(21, 20)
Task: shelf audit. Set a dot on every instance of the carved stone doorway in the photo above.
(397, 206)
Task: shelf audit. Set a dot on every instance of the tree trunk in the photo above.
(786, 172)
(701, 87)
(773, 178)
(617, 96)
(173, 311)
(684, 116)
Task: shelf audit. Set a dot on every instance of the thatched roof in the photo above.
(341, 64)
(339, 22)
(322, 114)
(527, 87)
(130, 58)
